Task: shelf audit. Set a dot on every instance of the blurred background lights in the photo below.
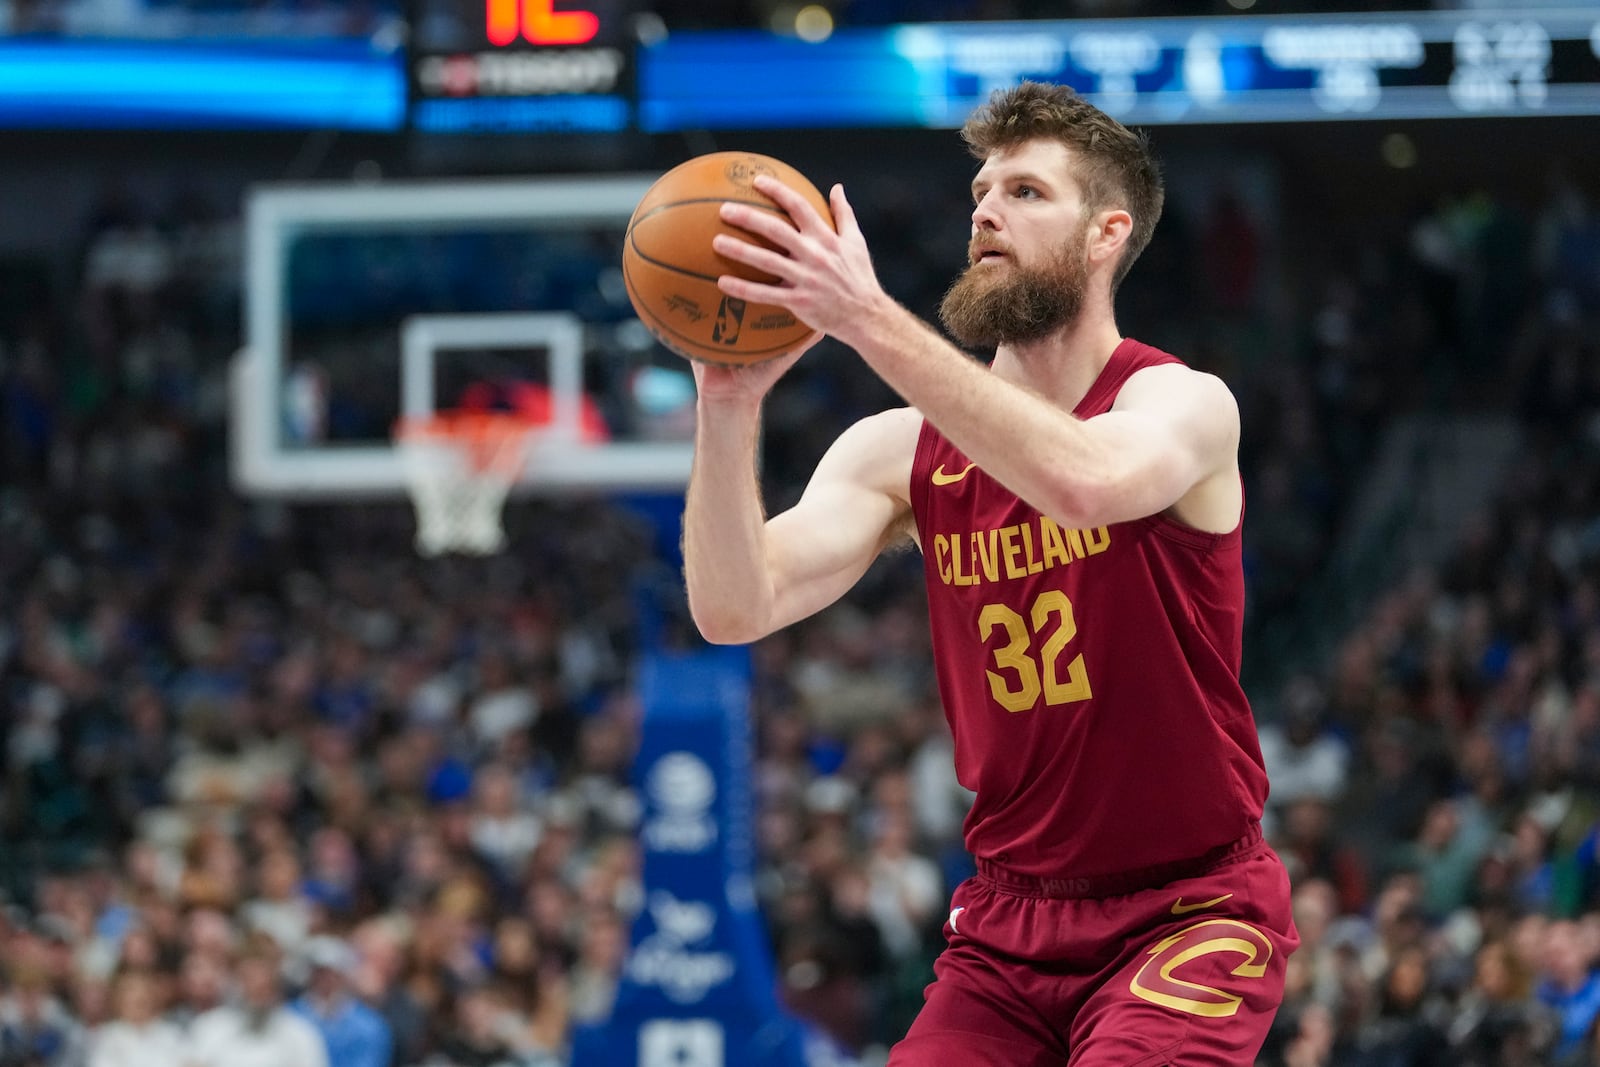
(813, 23)
(1399, 151)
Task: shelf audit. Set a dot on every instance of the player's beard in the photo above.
(1010, 303)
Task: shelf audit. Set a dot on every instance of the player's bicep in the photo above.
(852, 508)
(819, 548)
(1170, 431)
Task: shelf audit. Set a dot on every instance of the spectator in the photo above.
(259, 1029)
(1309, 846)
(355, 1035)
(503, 706)
(1446, 855)
(1303, 758)
(594, 973)
(906, 890)
(503, 833)
(1571, 987)
(1316, 907)
(139, 1036)
(1398, 924)
(280, 910)
(35, 1028)
(333, 871)
(379, 981)
(1405, 1032)
(202, 987)
(1314, 1039)
(481, 1031)
(1497, 1018)
(537, 992)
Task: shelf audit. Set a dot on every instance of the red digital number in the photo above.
(539, 23)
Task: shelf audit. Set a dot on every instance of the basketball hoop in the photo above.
(459, 467)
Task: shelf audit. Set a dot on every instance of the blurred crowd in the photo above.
(1435, 790)
(276, 791)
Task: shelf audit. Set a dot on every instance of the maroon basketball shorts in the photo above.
(1038, 972)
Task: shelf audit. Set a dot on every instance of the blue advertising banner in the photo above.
(698, 986)
(49, 82)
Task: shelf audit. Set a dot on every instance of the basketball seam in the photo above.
(633, 244)
(646, 312)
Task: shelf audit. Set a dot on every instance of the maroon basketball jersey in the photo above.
(1091, 677)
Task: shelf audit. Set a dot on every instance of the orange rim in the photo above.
(487, 438)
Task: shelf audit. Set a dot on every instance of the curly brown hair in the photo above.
(1117, 169)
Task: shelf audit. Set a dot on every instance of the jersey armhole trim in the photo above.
(1173, 530)
(921, 472)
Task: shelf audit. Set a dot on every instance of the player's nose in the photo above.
(984, 214)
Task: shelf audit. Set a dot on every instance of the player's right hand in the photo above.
(749, 384)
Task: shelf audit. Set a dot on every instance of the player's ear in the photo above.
(1110, 232)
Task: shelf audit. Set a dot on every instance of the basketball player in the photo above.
(1078, 508)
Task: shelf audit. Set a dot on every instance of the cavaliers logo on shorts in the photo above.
(1159, 982)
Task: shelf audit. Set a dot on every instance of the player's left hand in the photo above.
(825, 276)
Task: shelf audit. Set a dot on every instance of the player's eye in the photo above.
(1027, 192)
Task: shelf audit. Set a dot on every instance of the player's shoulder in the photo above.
(893, 429)
(1170, 383)
(899, 418)
(877, 450)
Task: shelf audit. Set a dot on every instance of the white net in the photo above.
(458, 472)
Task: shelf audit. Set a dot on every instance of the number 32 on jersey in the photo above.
(1022, 673)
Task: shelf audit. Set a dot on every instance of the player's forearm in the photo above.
(1026, 443)
(724, 553)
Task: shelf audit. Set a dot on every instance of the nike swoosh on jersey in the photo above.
(941, 478)
(953, 913)
(1180, 908)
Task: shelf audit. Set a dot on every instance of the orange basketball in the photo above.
(671, 270)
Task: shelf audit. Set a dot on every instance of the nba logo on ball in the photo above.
(730, 316)
(670, 269)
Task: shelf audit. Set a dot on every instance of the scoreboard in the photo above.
(1144, 71)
